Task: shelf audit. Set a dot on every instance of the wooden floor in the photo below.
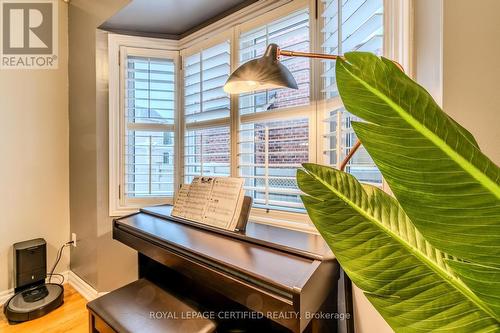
(71, 317)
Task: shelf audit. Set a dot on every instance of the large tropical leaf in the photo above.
(482, 280)
(403, 275)
(446, 185)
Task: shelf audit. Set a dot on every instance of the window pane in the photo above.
(149, 90)
(290, 33)
(206, 153)
(269, 155)
(361, 29)
(205, 75)
(148, 152)
(149, 164)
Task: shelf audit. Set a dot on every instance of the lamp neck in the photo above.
(287, 53)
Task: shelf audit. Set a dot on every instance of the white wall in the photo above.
(34, 148)
(457, 51)
(471, 71)
(366, 317)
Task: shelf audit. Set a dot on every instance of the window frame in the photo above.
(398, 45)
(119, 48)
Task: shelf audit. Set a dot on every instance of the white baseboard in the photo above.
(6, 294)
(83, 288)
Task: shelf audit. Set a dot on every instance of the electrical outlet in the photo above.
(73, 239)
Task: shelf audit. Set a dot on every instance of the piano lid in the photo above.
(296, 242)
(247, 260)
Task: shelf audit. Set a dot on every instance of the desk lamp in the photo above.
(267, 72)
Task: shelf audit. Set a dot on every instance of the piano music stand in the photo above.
(245, 214)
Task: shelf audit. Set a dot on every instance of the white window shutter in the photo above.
(348, 25)
(207, 146)
(148, 143)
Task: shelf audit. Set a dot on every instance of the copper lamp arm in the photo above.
(287, 53)
(307, 55)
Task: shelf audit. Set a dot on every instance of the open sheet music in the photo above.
(215, 201)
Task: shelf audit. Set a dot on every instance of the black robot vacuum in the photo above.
(33, 297)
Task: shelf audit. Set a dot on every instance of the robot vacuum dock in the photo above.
(34, 298)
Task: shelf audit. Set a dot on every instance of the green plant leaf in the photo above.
(403, 275)
(482, 280)
(449, 189)
(446, 185)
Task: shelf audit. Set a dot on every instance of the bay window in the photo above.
(176, 122)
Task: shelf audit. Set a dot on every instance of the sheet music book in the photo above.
(215, 201)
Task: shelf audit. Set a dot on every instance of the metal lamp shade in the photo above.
(259, 74)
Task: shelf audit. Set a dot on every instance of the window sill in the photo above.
(119, 208)
(286, 220)
(119, 212)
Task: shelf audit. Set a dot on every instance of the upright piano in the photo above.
(265, 273)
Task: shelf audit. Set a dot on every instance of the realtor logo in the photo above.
(29, 34)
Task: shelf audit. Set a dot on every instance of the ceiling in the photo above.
(170, 18)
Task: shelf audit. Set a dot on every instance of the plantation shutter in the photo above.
(270, 152)
(206, 73)
(149, 106)
(271, 149)
(207, 146)
(290, 33)
(348, 25)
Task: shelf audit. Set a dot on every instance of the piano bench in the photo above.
(142, 306)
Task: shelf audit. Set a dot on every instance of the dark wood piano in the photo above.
(287, 279)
